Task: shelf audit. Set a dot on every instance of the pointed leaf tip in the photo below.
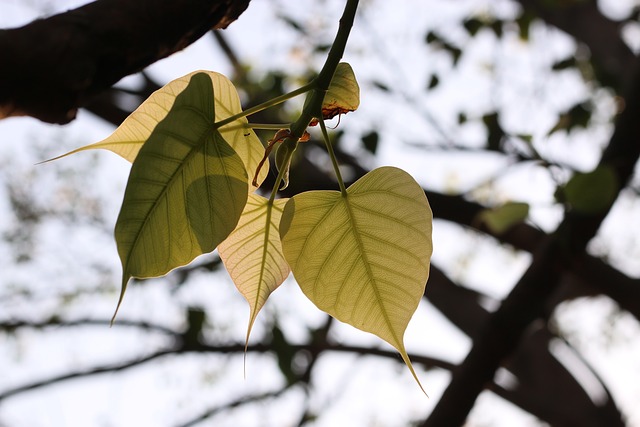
(127, 140)
(123, 289)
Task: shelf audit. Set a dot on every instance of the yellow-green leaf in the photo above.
(186, 190)
(502, 218)
(253, 255)
(129, 137)
(363, 258)
(343, 95)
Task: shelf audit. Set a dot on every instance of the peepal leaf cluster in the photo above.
(361, 255)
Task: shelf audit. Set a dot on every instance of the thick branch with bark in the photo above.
(58, 64)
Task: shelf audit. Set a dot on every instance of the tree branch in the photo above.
(532, 357)
(57, 323)
(85, 373)
(183, 348)
(543, 386)
(591, 275)
(234, 404)
(58, 64)
(527, 300)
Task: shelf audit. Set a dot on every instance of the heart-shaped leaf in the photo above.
(129, 137)
(253, 255)
(363, 257)
(186, 190)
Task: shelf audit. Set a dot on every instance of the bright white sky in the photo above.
(72, 250)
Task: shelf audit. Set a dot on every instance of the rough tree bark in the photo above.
(53, 66)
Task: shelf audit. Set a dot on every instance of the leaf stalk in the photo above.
(320, 85)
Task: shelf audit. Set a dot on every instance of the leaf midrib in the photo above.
(201, 142)
(363, 254)
(265, 242)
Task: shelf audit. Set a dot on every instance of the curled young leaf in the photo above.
(343, 95)
(284, 153)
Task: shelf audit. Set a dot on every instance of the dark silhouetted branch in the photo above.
(234, 404)
(59, 323)
(53, 66)
(181, 348)
(79, 374)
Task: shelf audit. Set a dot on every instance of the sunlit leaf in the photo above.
(343, 95)
(502, 218)
(253, 255)
(129, 137)
(363, 258)
(186, 190)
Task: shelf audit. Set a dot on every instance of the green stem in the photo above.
(272, 102)
(321, 83)
(269, 126)
(259, 126)
(332, 155)
(338, 46)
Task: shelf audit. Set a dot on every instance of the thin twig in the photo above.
(59, 323)
(234, 404)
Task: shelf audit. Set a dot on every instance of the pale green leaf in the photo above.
(363, 258)
(502, 218)
(343, 95)
(129, 137)
(186, 190)
(253, 255)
